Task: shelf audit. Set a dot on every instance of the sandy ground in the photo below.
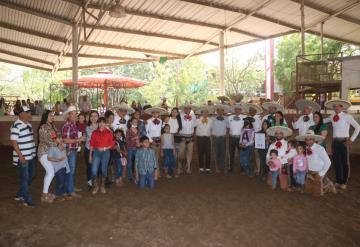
(196, 210)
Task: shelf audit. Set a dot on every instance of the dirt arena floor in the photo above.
(196, 210)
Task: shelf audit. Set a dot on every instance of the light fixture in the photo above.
(117, 11)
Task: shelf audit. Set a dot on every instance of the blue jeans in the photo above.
(147, 179)
(118, 167)
(130, 163)
(70, 177)
(245, 160)
(100, 160)
(274, 177)
(27, 174)
(300, 178)
(60, 177)
(169, 161)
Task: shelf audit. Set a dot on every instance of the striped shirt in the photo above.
(23, 134)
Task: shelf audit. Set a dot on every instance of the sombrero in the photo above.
(68, 110)
(331, 103)
(285, 130)
(267, 105)
(160, 110)
(238, 106)
(254, 106)
(208, 108)
(123, 106)
(311, 134)
(226, 108)
(193, 107)
(301, 103)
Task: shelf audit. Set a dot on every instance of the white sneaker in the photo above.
(201, 169)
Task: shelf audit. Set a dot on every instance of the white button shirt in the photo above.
(219, 127)
(203, 129)
(303, 126)
(153, 130)
(281, 151)
(117, 125)
(319, 160)
(187, 125)
(235, 126)
(341, 128)
(174, 125)
(257, 123)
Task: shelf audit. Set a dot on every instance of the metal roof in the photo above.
(37, 33)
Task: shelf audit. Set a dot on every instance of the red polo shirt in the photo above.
(102, 139)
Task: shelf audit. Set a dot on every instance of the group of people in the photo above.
(36, 107)
(126, 145)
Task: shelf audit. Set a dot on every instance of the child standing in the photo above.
(274, 164)
(81, 125)
(168, 151)
(146, 165)
(246, 147)
(300, 166)
(119, 156)
(290, 154)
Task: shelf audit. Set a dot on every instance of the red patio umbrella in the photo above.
(105, 80)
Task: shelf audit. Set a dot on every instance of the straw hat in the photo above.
(123, 106)
(71, 108)
(285, 130)
(187, 104)
(267, 105)
(310, 134)
(160, 110)
(208, 108)
(238, 106)
(331, 103)
(301, 103)
(254, 106)
(226, 108)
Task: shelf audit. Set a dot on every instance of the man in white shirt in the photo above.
(305, 121)
(318, 162)
(121, 116)
(341, 123)
(235, 124)
(188, 122)
(203, 133)
(280, 144)
(219, 132)
(153, 129)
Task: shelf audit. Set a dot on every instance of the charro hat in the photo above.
(285, 130)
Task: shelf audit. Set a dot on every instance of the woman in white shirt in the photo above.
(174, 121)
(203, 133)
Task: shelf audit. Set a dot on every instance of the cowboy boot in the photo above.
(95, 187)
(102, 187)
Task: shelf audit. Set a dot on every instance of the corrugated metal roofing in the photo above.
(38, 32)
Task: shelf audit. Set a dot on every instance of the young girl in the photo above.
(168, 151)
(290, 154)
(81, 124)
(246, 147)
(119, 156)
(300, 166)
(274, 164)
(146, 165)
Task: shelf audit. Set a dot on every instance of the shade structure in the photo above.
(105, 80)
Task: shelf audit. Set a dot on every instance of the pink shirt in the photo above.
(276, 165)
(300, 163)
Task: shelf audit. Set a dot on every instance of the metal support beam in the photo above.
(302, 28)
(32, 47)
(322, 38)
(222, 63)
(24, 64)
(105, 57)
(75, 71)
(26, 57)
(99, 65)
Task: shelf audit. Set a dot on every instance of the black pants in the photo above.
(204, 151)
(233, 146)
(264, 169)
(340, 160)
(220, 151)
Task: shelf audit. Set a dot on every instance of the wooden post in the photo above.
(222, 63)
(302, 28)
(322, 38)
(75, 70)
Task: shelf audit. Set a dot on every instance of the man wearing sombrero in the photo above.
(235, 124)
(121, 116)
(153, 129)
(188, 121)
(341, 123)
(280, 144)
(318, 161)
(305, 121)
(272, 108)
